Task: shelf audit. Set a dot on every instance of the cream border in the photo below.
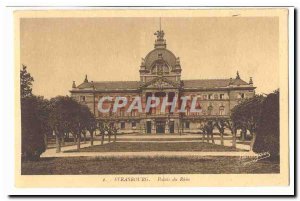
(281, 179)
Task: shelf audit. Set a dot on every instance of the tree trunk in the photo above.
(78, 141)
(74, 138)
(207, 137)
(58, 145)
(109, 135)
(46, 140)
(102, 138)
(222, 138)
(92, 138)
(212, 137)
(63, 140)
(243, 133)
(84, 138)
(115, 136)
(233, 139)
(252, 141)
(203, 136)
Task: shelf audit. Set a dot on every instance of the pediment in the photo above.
(160, 83)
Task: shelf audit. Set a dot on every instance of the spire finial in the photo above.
(160, 24)
(251, 81)
(73, 85)
(237, 75)
(160, 42)
(86, 79)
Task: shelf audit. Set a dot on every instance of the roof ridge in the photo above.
(114, 81)
(207, 79)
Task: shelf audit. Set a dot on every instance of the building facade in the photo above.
(160, 76)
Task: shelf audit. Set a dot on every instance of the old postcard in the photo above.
(151, 97)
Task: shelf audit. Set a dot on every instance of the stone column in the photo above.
(167, 128)
(176, 106)
(153, 110)
(167, 96)
(153, 125)
(142, 126)
(176, 125)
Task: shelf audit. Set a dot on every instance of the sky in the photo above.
(58, 51)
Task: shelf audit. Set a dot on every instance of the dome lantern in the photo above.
(160, 42)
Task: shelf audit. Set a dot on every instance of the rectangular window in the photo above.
(122, 125)
(221, 96)
(242, 95)
(210, 96)
(133, 124)
(187, 124)
(216, 96)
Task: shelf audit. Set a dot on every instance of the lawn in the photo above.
(146, 165)
(170, 139)
(155, 146)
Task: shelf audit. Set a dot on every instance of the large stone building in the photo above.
(160, 76)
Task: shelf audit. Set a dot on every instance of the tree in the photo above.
(33, 144)
(44, 109)
(66, 116)
(202, 129)
(220, 124)
(207, 128)
(91, 127)
(34, 119)
(230, 125)
(115, 131)
(246, 116)
(109, 130)
(26, 82)
(268, 127)
(102, 129)
(80, 121)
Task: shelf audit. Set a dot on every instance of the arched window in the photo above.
(209, 110)
(222, 110)
(122, 112)
(160, 67)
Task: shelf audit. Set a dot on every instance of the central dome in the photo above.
(160, 53)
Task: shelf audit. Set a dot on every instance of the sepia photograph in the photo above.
(152, 97)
